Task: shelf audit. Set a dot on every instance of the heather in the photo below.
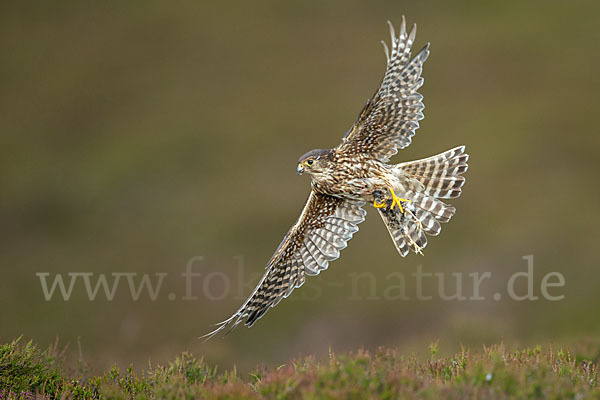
(29, 372)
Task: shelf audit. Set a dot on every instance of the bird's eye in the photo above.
(310, 162)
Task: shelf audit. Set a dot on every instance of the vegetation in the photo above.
(28, 372)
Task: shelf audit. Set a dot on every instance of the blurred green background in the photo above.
(138, 135)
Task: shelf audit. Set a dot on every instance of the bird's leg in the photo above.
(395, 201)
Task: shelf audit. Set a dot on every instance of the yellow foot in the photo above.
(396, 201)
(379, 205)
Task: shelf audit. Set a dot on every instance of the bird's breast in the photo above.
(354, 179)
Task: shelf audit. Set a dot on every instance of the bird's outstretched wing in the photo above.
(389, 119)
(322, 230)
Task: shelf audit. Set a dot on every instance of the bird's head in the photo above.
(314, 162)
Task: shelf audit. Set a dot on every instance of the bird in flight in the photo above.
(355, 173)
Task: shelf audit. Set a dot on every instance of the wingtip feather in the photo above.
(403, 26)
(412, 34)
(386, 50)
(392, 33)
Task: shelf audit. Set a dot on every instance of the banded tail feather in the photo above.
(406, 229)
(440, 175)
(437, 177)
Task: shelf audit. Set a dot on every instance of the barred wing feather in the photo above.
(322, 230)
(389, 119)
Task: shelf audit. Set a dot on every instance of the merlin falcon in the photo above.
(344, 179)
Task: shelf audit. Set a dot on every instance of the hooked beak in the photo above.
(299, 169)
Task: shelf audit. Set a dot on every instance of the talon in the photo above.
(397, 201)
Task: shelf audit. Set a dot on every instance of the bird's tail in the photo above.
(440, 175)
(436, 177)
